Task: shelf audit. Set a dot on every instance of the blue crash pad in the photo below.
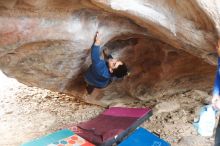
(142, 137)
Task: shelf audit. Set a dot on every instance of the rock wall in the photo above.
(169, 45)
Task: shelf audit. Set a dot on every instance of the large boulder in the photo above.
(168, 45)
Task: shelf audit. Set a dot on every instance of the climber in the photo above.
(216, 95)
(102, 71)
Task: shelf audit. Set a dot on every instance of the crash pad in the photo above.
(112, 125)
(142, 137)
(63, 137)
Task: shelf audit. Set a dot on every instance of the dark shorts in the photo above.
(88, 83)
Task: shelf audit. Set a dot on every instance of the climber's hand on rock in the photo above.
(97, 39)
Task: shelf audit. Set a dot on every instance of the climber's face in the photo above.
(113, 64)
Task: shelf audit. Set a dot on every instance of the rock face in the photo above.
(168, 45)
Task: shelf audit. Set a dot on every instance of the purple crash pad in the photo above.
(112, 125)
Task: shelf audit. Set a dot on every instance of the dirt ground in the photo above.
(29, 112)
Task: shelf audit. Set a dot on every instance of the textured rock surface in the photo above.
(168, 45)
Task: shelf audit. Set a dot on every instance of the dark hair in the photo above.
(120, 71)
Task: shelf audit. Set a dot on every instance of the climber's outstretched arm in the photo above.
(95, 52)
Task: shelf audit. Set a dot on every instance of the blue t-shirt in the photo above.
(98, 74)
(216, 89)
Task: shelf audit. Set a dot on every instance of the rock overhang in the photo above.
(46, 44)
